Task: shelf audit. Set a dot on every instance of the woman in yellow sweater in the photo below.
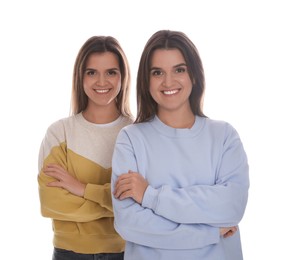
(76, 152)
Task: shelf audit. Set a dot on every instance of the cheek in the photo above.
(154, 94)
(187, 83)
(118, 84)
(87, 82)
(86, 90)
(151, 88)
(86, 85)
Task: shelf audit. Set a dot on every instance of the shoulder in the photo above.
(218, 124)
(61, 123)
(58, 129)
(134, 131)
(222, 130)
(55, 135)
(135, 127)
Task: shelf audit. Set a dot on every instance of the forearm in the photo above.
(58, 203)
(213, 205)
(142, 226)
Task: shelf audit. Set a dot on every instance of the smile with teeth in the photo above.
(170, 92)
(102, 91)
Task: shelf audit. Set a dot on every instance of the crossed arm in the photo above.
(133, 185)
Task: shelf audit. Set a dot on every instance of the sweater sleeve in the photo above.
(221, 204)
(58, 203)
(141, 225)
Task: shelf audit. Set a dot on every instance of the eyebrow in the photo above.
(107, 69)
(175, 66)
(179, 65)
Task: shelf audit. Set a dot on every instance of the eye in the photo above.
(180, 70)
(156, 73)
(112, 72)
(90, 72)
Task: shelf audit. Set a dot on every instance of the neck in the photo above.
(177, 120)
(101, 114)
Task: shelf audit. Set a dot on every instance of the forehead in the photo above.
(103, 60)
(163, 57)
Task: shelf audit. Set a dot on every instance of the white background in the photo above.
(243, 48)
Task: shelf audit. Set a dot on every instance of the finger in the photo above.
(122, 182)
(54, 165)
(55, 184)
(56, 168)
(120, 190)
(53, 174)
(125, 195)
(233, 230)
(230, 233)
(50, 173)
(227, 234)
(51, 166)
(123, 187)
(124, 176)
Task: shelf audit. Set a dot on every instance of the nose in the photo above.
(167, 80)
(101, 80)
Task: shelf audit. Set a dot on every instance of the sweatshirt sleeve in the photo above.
(221, 204)
(100, 194)
(141, 225)
(58, 203)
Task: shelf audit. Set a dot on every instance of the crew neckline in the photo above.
(90, 124)
(178, 132)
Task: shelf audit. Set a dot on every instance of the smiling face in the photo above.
(170, 84)
(102, 80)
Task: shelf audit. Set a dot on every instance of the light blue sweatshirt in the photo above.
(198, 181)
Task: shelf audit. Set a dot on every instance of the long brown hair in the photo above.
(166, 39)
(100, 44)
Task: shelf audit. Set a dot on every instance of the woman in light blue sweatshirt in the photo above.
(180, 180)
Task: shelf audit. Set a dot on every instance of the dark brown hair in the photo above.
(100, 44)
(166, 39)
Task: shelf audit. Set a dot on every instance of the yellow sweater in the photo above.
(83, 225)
